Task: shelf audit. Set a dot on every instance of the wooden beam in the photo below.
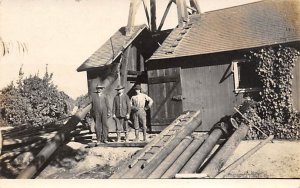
(181, 12)
(165, 15)
(146, 12)
(194, 4)
(153, 15)
(134, 4)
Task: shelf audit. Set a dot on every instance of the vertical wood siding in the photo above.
(164, 109)
(205, 89)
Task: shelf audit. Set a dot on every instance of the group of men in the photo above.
(121, 110)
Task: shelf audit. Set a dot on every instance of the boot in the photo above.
(144, 135)
(126, 137)
(118, 137)
(137, 136)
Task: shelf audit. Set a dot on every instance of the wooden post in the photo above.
(168, 161)
(1, 141)
(194, 4)
(165, 15)
(184, 157)
(134, 4)
(54, 144)
(181, 12)
(198, 158)
(217, 162)
(244, 157)
(153, 15)
(188, 129)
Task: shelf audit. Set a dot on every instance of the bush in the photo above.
(33, 101)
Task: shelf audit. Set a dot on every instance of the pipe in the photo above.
(217, 162)
(185, 156)
(168, 161)
(198, 158)
(54, 144)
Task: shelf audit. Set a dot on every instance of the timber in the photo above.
(182, 12)
(1, 141)
(53, 145)
(247, 155)
(185, 156)
(190, 127)
(134, 4)
(125, 167)
(218, 161)
(153, 15)
(205, 149)
(165, 15)
(194, 4)
(168, 161)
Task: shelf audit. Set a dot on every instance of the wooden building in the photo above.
(200, 63)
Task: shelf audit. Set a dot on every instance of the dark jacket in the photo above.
(121, 105)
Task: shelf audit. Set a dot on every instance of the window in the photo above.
(245, 77)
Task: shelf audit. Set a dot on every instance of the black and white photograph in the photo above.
(187, 91)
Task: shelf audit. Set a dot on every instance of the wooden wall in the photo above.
(211, 90)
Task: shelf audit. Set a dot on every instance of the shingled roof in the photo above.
(111, 49)
(246, 26)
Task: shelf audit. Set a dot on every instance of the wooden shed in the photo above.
(200, 65)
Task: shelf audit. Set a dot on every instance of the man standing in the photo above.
(140, 103)
(121, 112)
(102, 113)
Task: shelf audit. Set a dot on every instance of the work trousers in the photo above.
(140, 117)
(122, 124)
(101, 127)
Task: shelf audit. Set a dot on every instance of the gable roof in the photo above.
(246, 26)
(111, 49)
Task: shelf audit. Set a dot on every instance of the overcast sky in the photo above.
(64, 33)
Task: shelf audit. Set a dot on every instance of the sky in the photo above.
(62, 34)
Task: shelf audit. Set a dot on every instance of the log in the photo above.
(188, 129)
(54, 144)
(218, 161)
(168, 161)
(247, 155)
(125, 167)
(199, 157)
(184, 157)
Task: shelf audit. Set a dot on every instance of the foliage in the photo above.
(33, 101)
(274, 112)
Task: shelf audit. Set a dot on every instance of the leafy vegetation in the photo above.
(33, 101)
(274, 113)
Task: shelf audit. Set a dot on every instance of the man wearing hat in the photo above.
(102, 112)
(140, 103)
(121, 112)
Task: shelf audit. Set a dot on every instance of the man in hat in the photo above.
(102, 112)
(140, 103)
(121, 112)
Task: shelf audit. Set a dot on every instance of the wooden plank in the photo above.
(163, 79)
(119, 144)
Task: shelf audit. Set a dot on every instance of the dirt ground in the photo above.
(280, 159)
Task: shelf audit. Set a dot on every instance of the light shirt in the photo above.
(139, 100)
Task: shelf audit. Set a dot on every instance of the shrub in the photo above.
(33, 101)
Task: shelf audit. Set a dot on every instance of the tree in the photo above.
(33, 101)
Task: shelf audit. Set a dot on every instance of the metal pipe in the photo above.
(54, 144)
